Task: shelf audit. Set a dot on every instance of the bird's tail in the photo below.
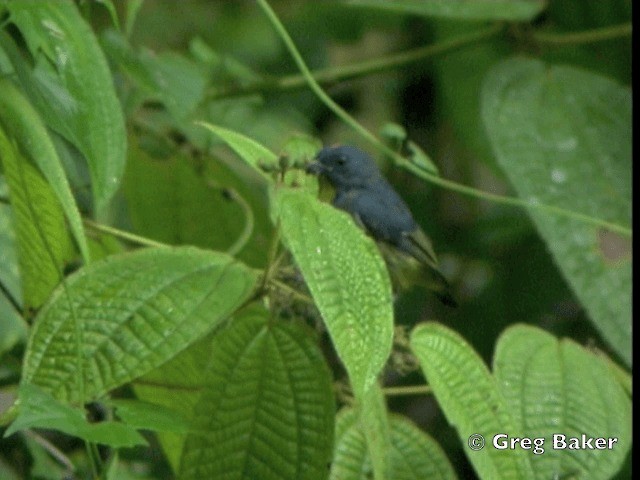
(440, 287)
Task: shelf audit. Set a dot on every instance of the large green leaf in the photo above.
(556, 387)
(123, 316)
(347, 278)
(470, 399)
(267, 407)
(43, 243)
(563, 137)
(540, 387)
(24, 125)
(71, 85)
(520, 10)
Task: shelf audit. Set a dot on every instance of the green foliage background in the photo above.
(166, 264)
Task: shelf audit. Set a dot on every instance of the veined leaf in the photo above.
(470, 399)
(563, 137)
(556, 387)
(123, 316)
(22, 123)
(347, 278)
(413, 455)
(43, 243)
(71, 86)
(521, 10)
(267, 408)
(350, 460)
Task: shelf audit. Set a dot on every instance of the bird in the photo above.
(362, 191)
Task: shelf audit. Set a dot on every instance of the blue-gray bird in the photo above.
(362, 191)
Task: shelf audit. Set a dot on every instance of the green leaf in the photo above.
(38, 409)
(149, 416)
(123, 316)
(72, 87)
(350, 461)
(12, 325)
(180, 82)
(470, 399)
(132, 9)
(267, 408)
(518, 10)
(256, 155)
(169, 78)
(169, 202)
(42, 241)
(172, 201)
(412, 454)
(9, 271)
(22, 123)
(563, 137)
(113, 12)
(557, 387)
(347, 278)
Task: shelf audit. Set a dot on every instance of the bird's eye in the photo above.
(341, 160)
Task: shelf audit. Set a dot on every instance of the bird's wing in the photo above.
(420, 246)
(381, 213)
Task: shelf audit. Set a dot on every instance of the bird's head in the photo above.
(344, 166)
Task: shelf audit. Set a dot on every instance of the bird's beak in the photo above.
(315, 168)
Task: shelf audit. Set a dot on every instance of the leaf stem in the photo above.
(272, 261)
(249, 222)
(292, 291)
(587, 36)
(129, 237)
(51, 450)
(10, 298)
(360, 69)
(527, 204)
(409, 390)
